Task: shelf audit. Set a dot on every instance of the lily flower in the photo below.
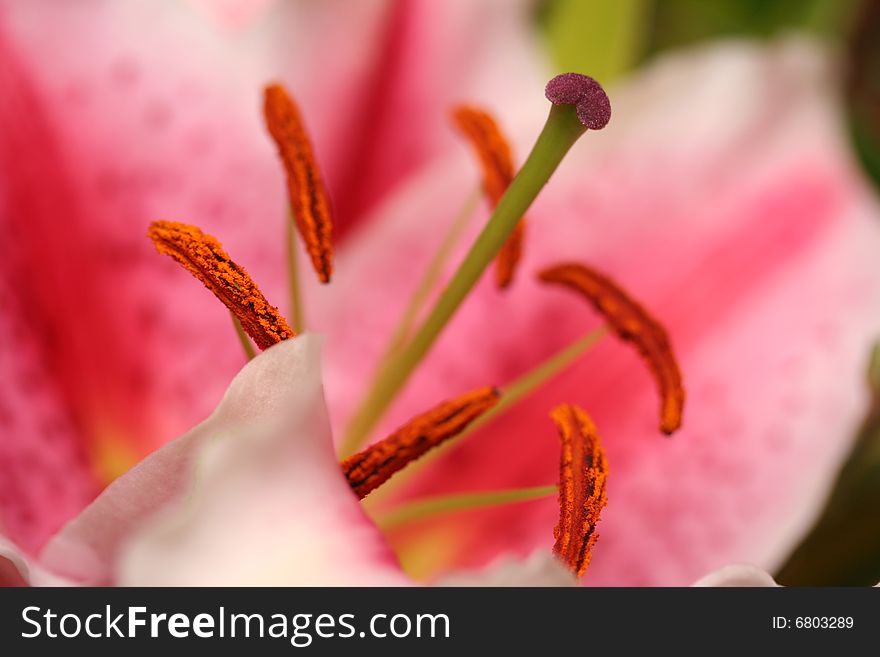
(728, 227)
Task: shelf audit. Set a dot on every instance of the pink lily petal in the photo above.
(722, 196)
(44, 474)
(114, 114)
(234, 13)
(268, 504)
(435, 55)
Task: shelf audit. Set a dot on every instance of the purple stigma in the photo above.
(589, 98)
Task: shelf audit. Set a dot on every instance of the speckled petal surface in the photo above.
(739, 220)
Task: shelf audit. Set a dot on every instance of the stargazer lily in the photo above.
(725, 226)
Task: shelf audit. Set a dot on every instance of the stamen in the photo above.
(632, 323)
(246, 344)
(309, 200)
(583, 472)
(370, 468)
(496, 161)
(296, 299)
(204, 257)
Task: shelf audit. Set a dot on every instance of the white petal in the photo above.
(16, 569)
(269, 504)
(541, 568)
(737, 575)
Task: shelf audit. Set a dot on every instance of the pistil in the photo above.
(579, 103)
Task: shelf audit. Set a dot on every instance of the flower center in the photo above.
(579, 103)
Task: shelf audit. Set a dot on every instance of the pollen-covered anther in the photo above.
(583, 472)
(203, 256)
(373, 466)
(493, 152)
(309, 201)
(632, 323)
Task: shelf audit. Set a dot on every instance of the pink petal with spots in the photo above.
(117, 113)
(45, 476)
(722, 196)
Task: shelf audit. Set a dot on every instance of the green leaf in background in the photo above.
(681, 22)
(607, 38)
(603, 38)
(843, 547)
(863, 87)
